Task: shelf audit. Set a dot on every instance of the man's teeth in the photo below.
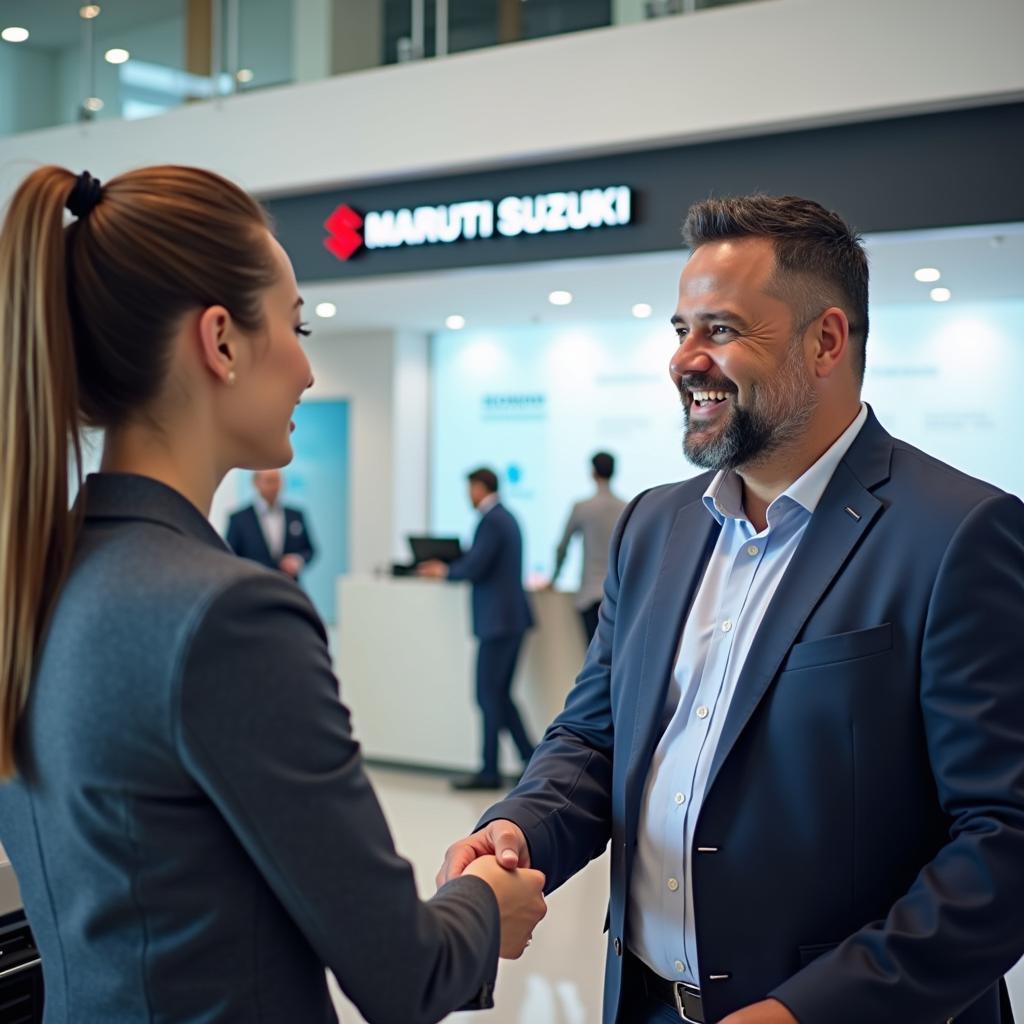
(709, 396)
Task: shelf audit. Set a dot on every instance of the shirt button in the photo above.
(679, 966)
(672, 885)
(727, 625)
(680, 798)
(702, 712)
(752, 550)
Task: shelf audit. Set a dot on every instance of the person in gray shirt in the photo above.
(595, 520)
(181, 794)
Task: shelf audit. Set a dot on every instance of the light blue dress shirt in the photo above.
(745, 569)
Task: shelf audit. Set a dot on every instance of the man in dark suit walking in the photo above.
(801, 721)
(269, 533)
(501, 616)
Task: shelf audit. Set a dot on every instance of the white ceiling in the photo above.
(976, 264)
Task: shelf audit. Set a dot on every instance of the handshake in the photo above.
(499, 855)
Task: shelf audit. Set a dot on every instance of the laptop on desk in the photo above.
(444, 549)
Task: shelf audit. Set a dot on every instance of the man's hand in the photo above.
(520, 895)
(769, 1011)
(292, 565)
(433, 568)
(504, 840)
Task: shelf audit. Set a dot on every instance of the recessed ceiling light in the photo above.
(326, 310)
(455, 322)
(927, 274)
(244, 75)
(642, 310)
(93, 104)
(89, 11)
(14, 34)
(940, 294)
(116, 55)
(560, 298)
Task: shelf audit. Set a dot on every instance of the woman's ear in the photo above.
(218, 344)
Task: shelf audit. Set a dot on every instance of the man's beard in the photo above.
(776, 415)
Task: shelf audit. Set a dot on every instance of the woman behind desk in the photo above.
(184, 803)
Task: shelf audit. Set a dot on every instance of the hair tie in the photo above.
(85, 195)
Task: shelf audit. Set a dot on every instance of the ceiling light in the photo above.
(89, 11)
(244, 75)
(455, 322)
(325, 310)
(927, 274)
(116, 55)
(642, 310)
(93, 104)
(940, 294)
(560, 298)
(14, 34)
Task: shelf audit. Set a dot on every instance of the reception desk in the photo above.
(10, 900)
(406, 660)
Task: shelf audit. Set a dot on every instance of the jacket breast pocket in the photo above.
(861, 643)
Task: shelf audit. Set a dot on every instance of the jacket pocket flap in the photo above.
(841, 647)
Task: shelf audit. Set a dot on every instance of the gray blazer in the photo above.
(595, 519)
(192, 828)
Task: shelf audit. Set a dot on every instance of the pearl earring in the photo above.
(231, 377)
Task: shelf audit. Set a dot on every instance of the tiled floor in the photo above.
(559, 979)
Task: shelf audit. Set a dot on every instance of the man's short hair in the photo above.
(819, 260)
(604, 465)
(484, 476)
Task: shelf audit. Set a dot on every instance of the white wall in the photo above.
(383, 374)
(736, 70)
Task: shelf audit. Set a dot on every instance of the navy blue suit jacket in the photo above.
(494, 565)
(860, 851)
(245, 537)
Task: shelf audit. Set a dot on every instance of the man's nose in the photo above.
(690, 357)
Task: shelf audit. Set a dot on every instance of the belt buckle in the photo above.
(688, 999)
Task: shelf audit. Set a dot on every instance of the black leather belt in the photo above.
(679, 996)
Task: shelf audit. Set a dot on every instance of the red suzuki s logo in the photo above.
(343, 232)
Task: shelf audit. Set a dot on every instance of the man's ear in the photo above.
(218, 346)
(831, 341)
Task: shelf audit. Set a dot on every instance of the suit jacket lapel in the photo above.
(686, 555)
(258, 529)
(832, 535)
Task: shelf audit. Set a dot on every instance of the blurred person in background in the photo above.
(594, 520)
(182, 798)
(501, 617)
(269, 532)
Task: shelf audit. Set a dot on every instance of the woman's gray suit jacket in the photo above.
(192, 828)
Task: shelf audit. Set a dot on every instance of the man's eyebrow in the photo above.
(709, 317)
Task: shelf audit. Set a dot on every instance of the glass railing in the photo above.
(63, 62)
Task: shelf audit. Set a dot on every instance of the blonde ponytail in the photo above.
(39, 443)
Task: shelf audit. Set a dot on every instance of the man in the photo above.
(595, 520)
(501, 615)
(269, 533)
(801, 721)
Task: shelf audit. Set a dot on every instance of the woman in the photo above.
(184, 805)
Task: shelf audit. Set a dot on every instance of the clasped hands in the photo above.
(498, 853)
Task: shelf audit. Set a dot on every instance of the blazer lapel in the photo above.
(258, 532)
(687, 550)
(845, 513)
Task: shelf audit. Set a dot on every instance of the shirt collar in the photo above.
(263, 508)
(724, 496)
(487, 504)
